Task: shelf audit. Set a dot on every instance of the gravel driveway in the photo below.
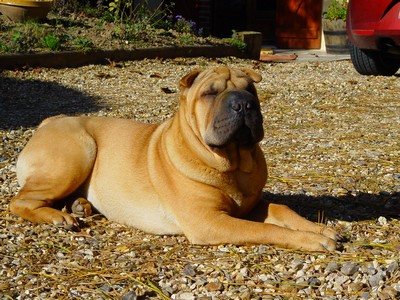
(332, 144)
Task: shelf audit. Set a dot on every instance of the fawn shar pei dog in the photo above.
(200, 173)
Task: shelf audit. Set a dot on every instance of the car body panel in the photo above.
(374, 24)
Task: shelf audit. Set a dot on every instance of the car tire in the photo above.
(368, 62)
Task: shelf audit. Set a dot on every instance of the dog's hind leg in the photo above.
(54, 164)
(36, 206)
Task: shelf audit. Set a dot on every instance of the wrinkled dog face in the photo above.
(226, 109)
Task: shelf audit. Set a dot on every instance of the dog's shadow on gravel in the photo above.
(25, 103)
(360, 207)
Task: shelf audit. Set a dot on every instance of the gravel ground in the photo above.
(332, 146)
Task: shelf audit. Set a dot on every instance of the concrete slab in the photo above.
(310, 55)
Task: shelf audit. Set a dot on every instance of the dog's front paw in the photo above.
(63, 219)
(330, 244)
(330, 233)
(311, 241)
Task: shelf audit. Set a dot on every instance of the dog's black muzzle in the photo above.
(237, 119)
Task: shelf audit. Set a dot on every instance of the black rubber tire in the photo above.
(368, 62)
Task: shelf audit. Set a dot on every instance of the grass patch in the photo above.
(52, 42)
(120, 24)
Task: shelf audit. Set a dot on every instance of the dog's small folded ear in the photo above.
(188, 80)
(252, 74)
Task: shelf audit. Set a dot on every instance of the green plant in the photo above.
(236, 41)
(26, 36)
(186, 26)
(122, 10)
(136, 23)
(137, 31)
(182, 25)
(125, 11)
(4, 47)
(83, 44)
(337, 10)
(52, 42)
(19, 42)
(67, 7)
(100, 24)
(186, 39)
(3, 26)
(141, 22)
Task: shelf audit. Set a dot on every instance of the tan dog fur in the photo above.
(162, 178)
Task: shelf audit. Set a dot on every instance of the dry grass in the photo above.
(332, 146)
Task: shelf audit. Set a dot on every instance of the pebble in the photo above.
(365, 296)
(393, 267)
(332, 266)
(369, 269)
(297, 264)
(189, 270)
(375, 280)
(314, 282)
(300, 273)
(245, 295)
(263, 277)
(389, 293)
(356, 286)
(244, 272)
(349, 268)
(382, 221)
(185, 296)
(213, 286)
(131, 295)
(342, 279)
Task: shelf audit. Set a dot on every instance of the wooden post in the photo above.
(253, 40)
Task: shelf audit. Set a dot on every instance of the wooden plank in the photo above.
(299, 24)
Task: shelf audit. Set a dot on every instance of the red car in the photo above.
(373, 27)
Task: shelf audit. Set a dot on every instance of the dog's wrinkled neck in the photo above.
(229, 158)
(235, 158)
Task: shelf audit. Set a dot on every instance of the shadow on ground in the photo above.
(347, 208)
(24, 103)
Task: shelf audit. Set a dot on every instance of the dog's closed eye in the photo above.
(210, 93)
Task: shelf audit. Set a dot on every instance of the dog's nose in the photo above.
(242, 101)
(241, 105)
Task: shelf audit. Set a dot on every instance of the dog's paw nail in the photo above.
(68, 226)
(72, 227)
(339, 247)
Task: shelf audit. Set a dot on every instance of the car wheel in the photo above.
(368, 62)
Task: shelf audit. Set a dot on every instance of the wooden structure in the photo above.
(284, 23)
